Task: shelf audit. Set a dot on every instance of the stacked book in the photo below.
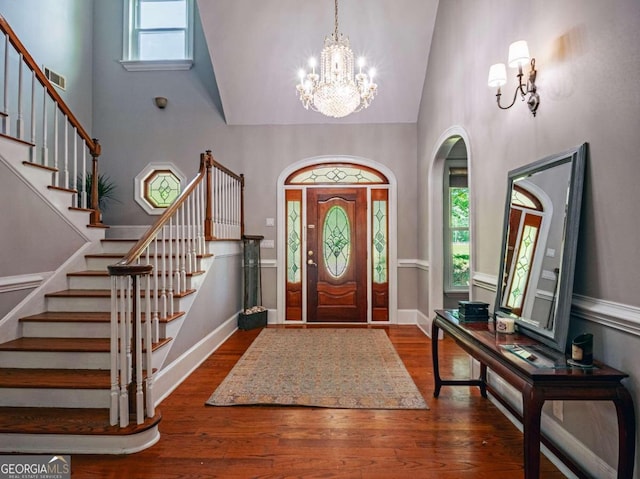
(473, 311)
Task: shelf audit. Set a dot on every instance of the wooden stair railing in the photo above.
(74, 170)
(154, 273)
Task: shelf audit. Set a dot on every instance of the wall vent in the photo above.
(55, 78)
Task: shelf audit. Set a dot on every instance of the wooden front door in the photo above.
(337, 255)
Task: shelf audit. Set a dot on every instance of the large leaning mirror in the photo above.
(541, 225)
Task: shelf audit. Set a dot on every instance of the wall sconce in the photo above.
(518, 56)
(161, 102)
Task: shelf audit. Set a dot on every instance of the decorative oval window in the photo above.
(336, 241)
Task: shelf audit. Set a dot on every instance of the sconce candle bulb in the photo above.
(518, 56)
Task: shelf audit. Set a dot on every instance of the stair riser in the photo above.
(47, 397)
(67, 360)
(119, 247)
(56, 304)
(54, 360)
(32, 329)
(101, 264)
(104, 282)
(77, 330)
(80, 305)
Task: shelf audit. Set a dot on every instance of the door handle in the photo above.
(312, 263)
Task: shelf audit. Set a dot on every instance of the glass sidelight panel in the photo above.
(294, 247)
(380, 241)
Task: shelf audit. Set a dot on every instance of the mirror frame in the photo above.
(556, 338)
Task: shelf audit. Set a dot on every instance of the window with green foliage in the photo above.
(457, 247)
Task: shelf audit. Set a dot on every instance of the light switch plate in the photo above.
(268, 244)
(270, 222)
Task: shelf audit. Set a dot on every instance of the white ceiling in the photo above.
(258, 46)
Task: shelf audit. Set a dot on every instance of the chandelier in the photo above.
(336, 92)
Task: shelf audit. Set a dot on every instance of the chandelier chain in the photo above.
(336, 19)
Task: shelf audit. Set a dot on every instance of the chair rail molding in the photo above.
(22, 281)
(614, 315)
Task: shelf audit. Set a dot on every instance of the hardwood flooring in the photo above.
(461, 436)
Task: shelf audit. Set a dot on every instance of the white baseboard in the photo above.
(407, 316)
(169, 378)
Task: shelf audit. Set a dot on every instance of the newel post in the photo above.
(96, 215)
(207, 158)
(242, 205)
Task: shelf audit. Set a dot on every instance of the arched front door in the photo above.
(336, 244)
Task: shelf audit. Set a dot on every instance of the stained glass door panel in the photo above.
(336, 255)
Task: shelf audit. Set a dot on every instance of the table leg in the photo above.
(483, 380)
(434, 357)
(626, 432)
(532, 401)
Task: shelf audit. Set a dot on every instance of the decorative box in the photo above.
(473, 310)
(252, 320)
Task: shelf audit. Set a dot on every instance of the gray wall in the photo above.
(58, 34)
(134, 132)
(586, 53)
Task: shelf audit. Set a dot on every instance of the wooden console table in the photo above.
(543, 376)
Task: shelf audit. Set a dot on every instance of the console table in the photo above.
(541, 374)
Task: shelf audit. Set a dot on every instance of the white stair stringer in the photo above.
(13, 154)
(80, 444)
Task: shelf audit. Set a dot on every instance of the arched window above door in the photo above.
(336, 173)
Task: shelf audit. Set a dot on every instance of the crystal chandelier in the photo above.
(336, 92)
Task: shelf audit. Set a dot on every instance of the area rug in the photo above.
(333, 368)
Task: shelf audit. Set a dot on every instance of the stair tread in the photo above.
(55, 378)
(105, 273)
(121, 255)
(80, 421)
(84, 317)
(86, 345)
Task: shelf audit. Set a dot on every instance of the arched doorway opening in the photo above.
(452, 145)
(336, 253)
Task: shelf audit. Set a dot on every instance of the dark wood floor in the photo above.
(461, 436)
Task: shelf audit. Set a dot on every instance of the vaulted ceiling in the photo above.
(258, 46)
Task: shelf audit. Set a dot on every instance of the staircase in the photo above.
(83, 350)
(55, 380)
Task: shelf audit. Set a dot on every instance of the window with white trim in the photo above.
(158, 35)
(456, 227)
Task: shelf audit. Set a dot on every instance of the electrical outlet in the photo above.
(558, 409)
(267, 244)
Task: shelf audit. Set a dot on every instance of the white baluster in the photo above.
(156, 295)
(20, 122)
(150, 409)
(55, 144)
(113, 411)
(6, 123)
(124, 375)
(74, 180)
(164, 272)
(45, 134)
(138, 350)
(83, 177)
(33, 116)
(65, 170)
(170, 267)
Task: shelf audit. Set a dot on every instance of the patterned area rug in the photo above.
(335, 368)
